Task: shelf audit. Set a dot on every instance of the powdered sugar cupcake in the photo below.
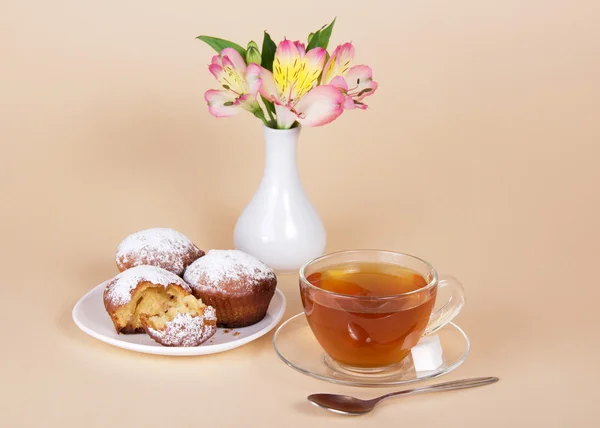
(161, 247)
(237, 285)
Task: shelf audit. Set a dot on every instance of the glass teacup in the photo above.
(369, 308)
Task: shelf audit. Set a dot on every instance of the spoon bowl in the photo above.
(347, 405)
(343, 404)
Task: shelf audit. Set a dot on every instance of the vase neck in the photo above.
(280, 152)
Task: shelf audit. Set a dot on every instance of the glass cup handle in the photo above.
(451, 308)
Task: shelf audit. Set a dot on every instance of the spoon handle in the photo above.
(445, 386)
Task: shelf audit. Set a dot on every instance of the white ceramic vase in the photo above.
(280, 226)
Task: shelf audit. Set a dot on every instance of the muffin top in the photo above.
(229, 272)
(118, 290)
(162, 247)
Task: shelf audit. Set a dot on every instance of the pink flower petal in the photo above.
(286, 53)
(328, 69)
(221, 103)
(253, 78)
(349, 103)
(285, 117)
(346, 53)
(301, 47)
(267, 87)
(227, 63)
(216, 70)
(217, 60)
(339, 63)
(235, 58)
(286, 67)
(339, 82)
(360, 82)
(320, 106)
(368, 89)
(359, 72)
(315, 58)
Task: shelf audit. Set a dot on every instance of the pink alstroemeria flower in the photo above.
(292, 87)
(240, 84)
(355, 82)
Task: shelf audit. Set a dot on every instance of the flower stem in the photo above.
(271, 117)
(258, 112)
(270, 110)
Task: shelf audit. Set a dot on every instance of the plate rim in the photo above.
(381, 384)
(172, 350)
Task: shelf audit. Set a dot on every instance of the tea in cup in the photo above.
(369, 308)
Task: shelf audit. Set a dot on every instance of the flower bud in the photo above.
(252, 53)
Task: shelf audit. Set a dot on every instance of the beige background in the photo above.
(480, 154)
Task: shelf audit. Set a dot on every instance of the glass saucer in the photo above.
(435, 355)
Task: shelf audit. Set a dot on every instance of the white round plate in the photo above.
(91, 317)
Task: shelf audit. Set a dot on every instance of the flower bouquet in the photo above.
(289, 83)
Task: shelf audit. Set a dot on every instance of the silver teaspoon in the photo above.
(347, 405)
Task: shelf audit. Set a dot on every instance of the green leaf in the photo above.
(320, 38)
(220, 44)
(268, 52)
(325, 35)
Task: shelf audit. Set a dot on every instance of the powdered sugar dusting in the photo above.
(227, 266)
(158, 247)
(186, 330)
(118, 290)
